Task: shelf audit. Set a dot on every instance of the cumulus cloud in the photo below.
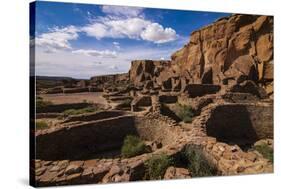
(122, 10)
(57, 38)
(120, 22)
(96, 53)
(133, 28)
(156, 33)
(121, 28)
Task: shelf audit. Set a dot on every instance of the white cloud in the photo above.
(133, 28)
(116, 45)
(97, 30)
(156, 33)
(120, 28)
(57, 38)
(96, 53)
(110, 26)
(77, 65)
(122, 10)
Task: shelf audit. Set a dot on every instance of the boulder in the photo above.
(72, 169)
(264, 47)
(243, 68)
(177, 173)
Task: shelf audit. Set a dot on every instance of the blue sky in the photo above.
(83, 40)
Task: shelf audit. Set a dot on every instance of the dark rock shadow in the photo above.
(232, 125)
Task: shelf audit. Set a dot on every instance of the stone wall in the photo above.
(84, 140)
(241, 123)
(152, 129)
(94, 116)
(195, 90)
(104, 79)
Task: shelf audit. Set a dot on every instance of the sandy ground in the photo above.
(91, 97)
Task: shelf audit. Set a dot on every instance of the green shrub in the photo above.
(41, 125)
(127, 103)
(185, 113)
(79, 111)
(156, 166)
(266, 151)
(187, 119)
(197, 162)
(133, 146)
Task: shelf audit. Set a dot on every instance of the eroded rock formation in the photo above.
(232, 49)
(228, 52)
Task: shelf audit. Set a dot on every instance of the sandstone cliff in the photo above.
(231, 50)
(227, 52)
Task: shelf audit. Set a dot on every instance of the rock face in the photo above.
(153, 75)
(228, 52)
(231, 50)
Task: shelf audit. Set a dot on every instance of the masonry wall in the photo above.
(195, 90)
(155, 130)
(83, 140)
(94, 116)
(241, 123)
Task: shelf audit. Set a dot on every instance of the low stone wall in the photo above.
(48, 115)
(168, 99)
(155, 129)
(239, 97)
(94, 116)
(195, 90)
(83, 140)
(241, 123)
(54, 90)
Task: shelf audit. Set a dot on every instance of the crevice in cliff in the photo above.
(202, 60)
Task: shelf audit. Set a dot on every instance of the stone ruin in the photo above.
(225, 73)
(94, 84)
